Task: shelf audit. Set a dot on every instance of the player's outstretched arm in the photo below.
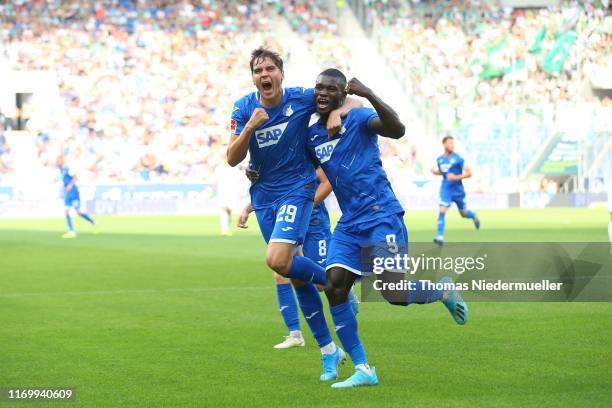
(239, 145)
(334, 120)
(388, 123)
(324, 188)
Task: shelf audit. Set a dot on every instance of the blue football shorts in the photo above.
(356, 246)
(285, 221)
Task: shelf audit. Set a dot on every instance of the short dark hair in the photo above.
(335, 73)
(261, 53)
(445, 138)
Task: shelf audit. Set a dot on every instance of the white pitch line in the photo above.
(132, 291)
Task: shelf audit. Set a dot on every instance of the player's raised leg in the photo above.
(289, 311)
(471, 215)
(393, 230)
(86, 217)
(280, 259)
(424, 292)
(291, 218)
(284, 227)
(465, 213)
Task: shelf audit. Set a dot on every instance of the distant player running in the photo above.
(452, 168)
(72, 198)
(271, 125)
(315, 247)
(371, 214)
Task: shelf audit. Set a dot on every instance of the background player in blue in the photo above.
(314, 247)
(452, 168)
(371, 213)
(72, 198)
(271, 125)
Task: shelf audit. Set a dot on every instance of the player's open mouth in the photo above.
(266, 86)
(322, 103)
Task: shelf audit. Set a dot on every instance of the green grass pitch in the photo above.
(163, 312)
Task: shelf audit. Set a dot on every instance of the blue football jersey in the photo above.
(67, 178)
(277, 148)
(453, 164)
(351, 161)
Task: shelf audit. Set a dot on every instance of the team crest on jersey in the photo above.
(271, 135)
(288, 111)
(325, 150)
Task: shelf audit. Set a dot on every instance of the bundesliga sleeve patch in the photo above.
(233, 125)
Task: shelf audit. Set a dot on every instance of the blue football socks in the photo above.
(312, 308)
(69, 222)
(441, 223)
(306, 270)
(288, 306)
(345, 324)
(422, 293)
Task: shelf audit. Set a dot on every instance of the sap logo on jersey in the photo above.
(325, 150)
(270, 135)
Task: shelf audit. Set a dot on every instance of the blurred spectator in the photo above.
(466, 52)
(148, 85)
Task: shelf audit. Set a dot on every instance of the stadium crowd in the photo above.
(139, 77)
(159, 77)
(474, 52)
(150, 76)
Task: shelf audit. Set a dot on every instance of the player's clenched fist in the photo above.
(355, 87)
(258, 118)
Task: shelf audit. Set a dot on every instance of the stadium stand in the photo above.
(159, 78)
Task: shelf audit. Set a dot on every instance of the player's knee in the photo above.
(463, 213)
(336, 294)
(278, 263)
(336, 290)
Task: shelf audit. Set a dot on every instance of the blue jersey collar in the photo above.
(281, 103)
